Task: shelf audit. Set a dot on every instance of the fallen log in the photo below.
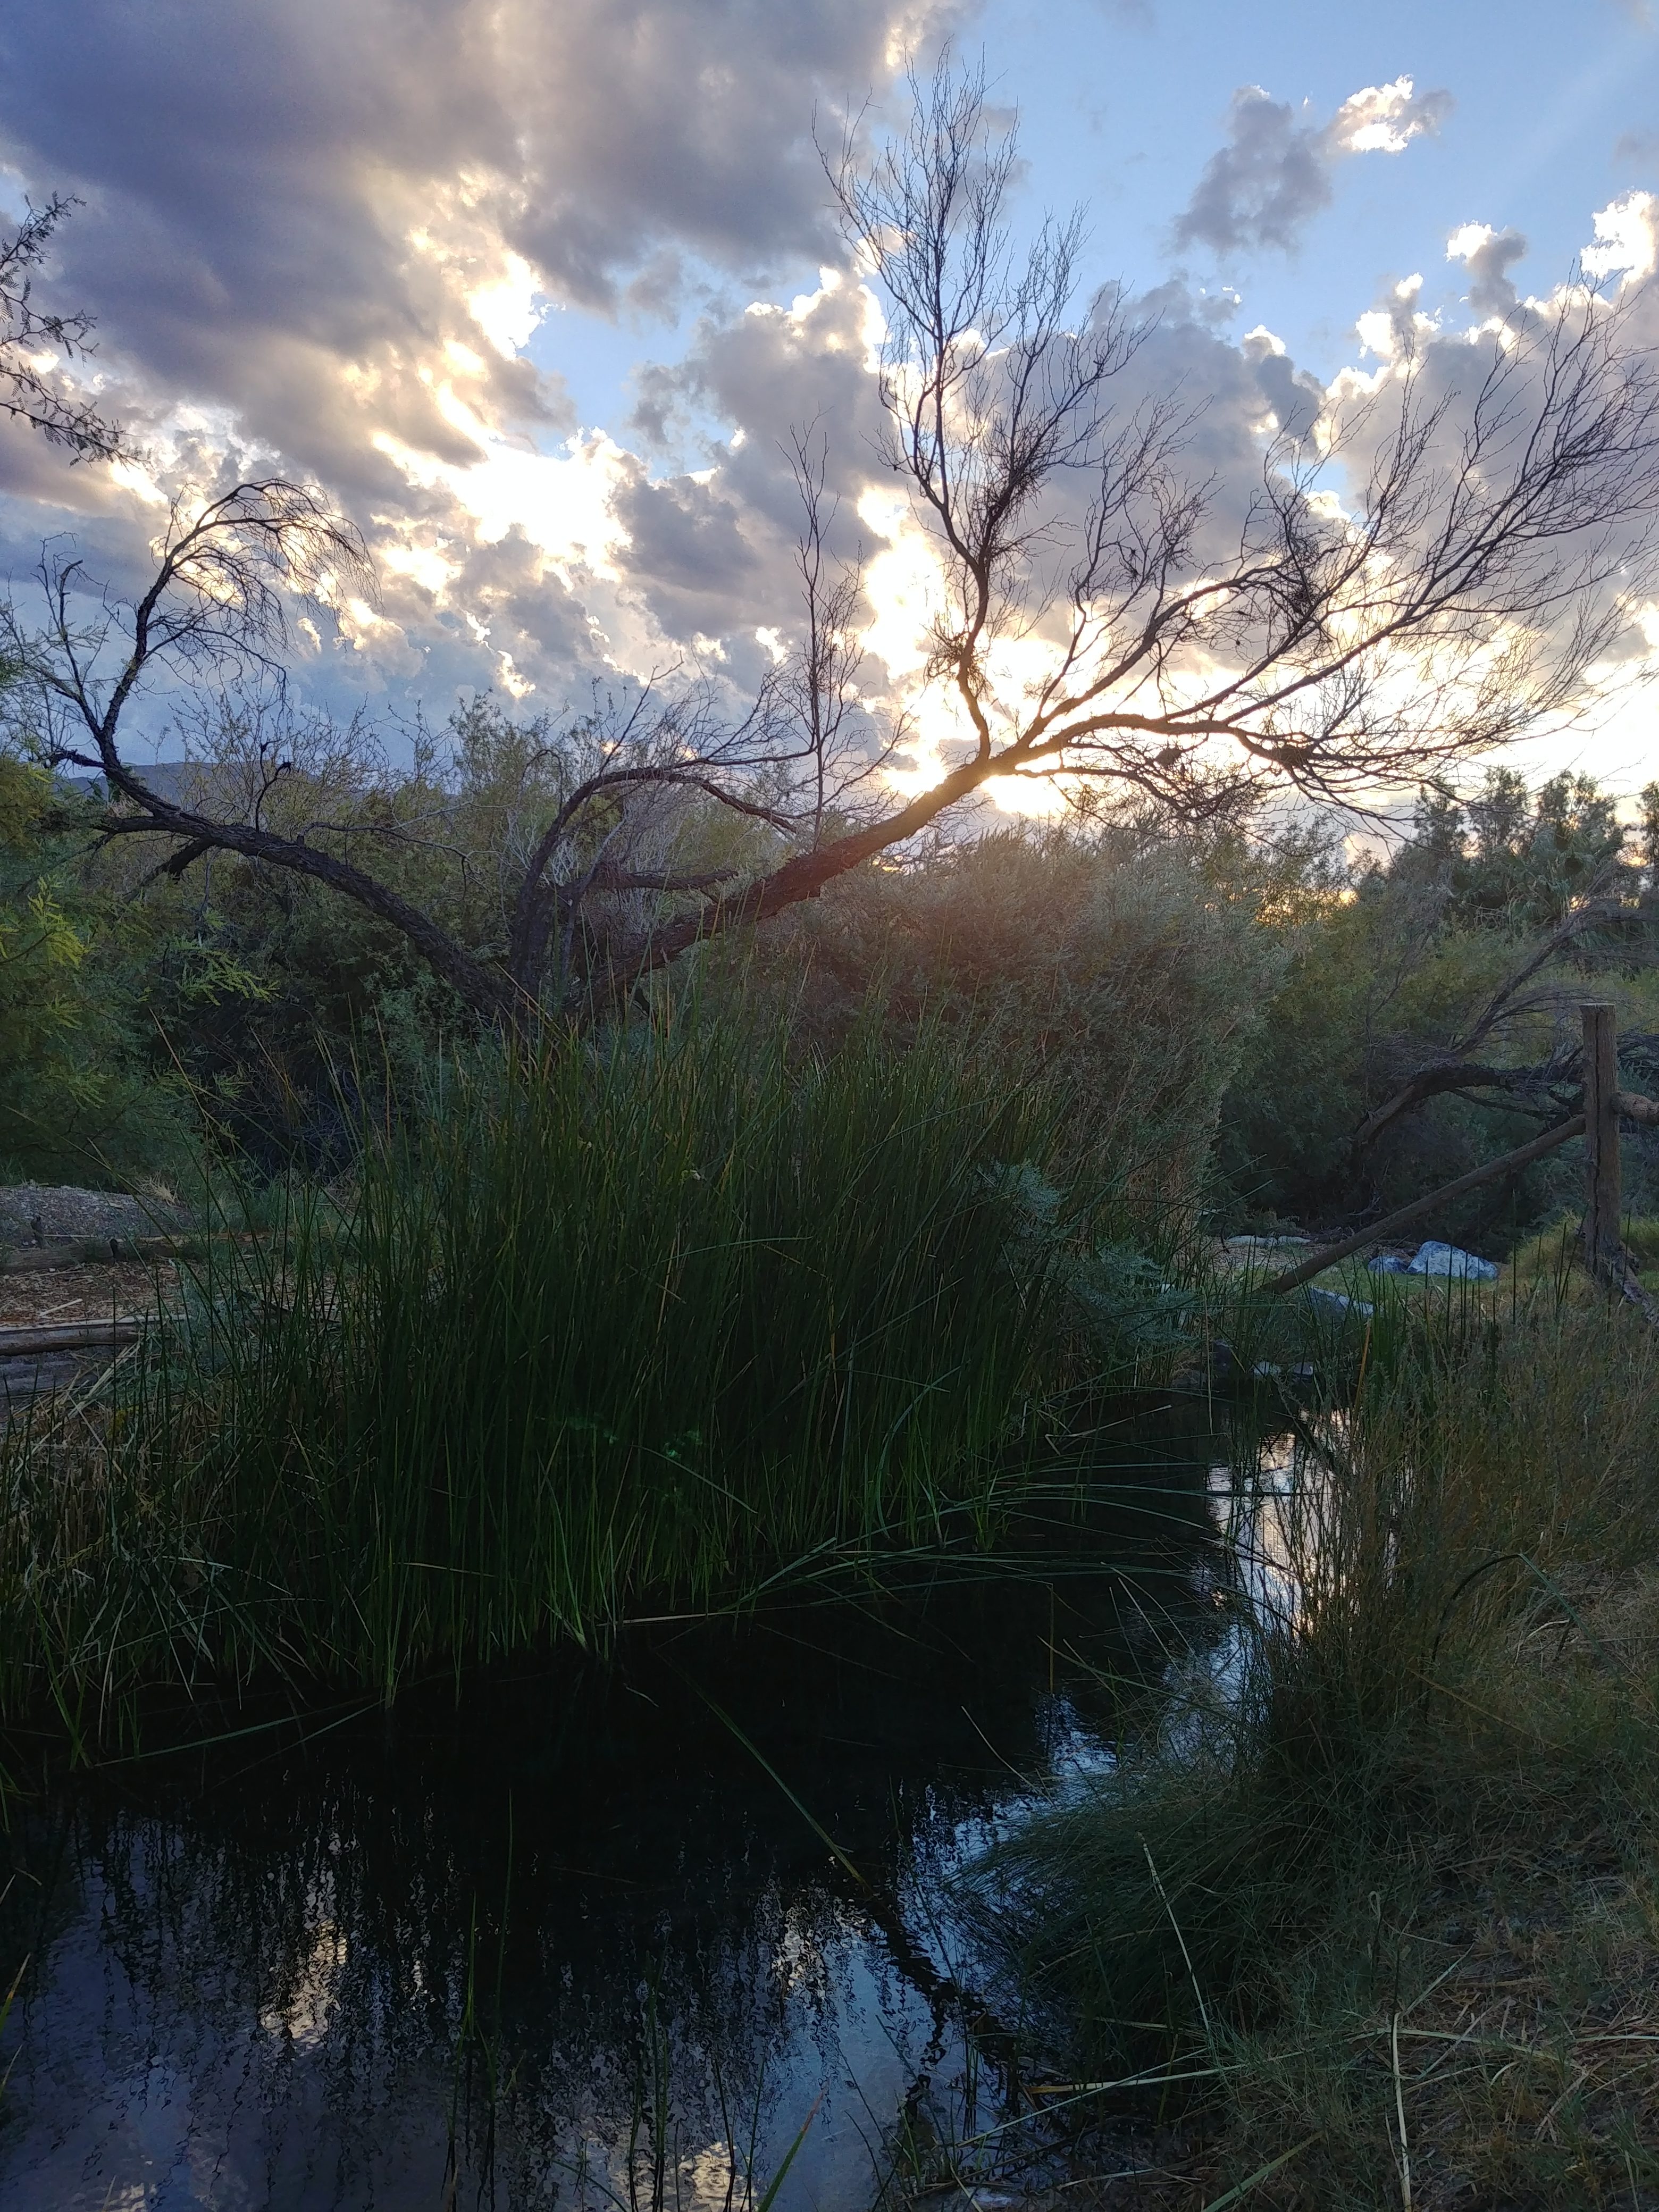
(42, 1259)
(31, 1339)
(1511, 1164)
(115, 1251)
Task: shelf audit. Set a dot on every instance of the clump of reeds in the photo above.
(620, 1324)
(1375, 1904)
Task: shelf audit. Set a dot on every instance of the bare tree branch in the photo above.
(27, 392)
(1497, 520)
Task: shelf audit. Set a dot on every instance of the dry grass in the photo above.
(84, 1293)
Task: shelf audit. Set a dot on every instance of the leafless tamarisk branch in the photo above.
(1497, 533)
(26, 393)
(820, 687)
(215, 607)
(1498, 523)
(215, 611)
(1455, 1072)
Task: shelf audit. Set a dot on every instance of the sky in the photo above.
(538, 289)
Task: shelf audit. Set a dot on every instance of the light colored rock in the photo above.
(59, 1213)
(1433, 1259)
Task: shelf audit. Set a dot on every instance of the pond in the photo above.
(612, 1929)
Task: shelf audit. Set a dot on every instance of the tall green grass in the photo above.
(1379, 1897)
(611, 1327)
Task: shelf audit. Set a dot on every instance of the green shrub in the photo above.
(78, 1102)
(1124, 970)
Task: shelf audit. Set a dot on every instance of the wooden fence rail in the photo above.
(1605, 1106)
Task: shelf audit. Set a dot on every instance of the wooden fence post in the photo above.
(1602, 1201)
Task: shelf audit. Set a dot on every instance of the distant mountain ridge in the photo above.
(167, 779)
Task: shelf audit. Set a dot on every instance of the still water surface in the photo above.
(605, 1932)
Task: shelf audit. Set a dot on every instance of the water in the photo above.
(598, 1932)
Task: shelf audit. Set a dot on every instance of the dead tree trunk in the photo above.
(1604, 1257)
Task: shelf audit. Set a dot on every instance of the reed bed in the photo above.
(608, 1328)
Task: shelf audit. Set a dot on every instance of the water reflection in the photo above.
(606, 1933)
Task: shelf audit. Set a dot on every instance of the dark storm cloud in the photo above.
(1275, 171)
(717, 557)
(774, 374)
(682, 532)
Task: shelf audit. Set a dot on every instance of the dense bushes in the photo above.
(1221, 1007)
(1128, 971)
(1390, 967)
(81, 1098)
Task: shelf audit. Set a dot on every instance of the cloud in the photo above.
(339, 211)
(321, 234)
(1442, 377)
(316, 237)
(1393, 329)
(1384, 118)
(770, 371)
(1487, 253)
(1626, 239)
(1274, 173)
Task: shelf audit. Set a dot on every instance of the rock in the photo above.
(32, 1214)
(1449, 1259)
(1386, 1263)
(1333, 1306)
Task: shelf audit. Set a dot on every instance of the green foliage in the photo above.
(1516, 858)
(1129, 972)
(1392, 971)
(258, 983)
(76, 1101)
(263, 983)
(1221, 1010)
(1374, 989)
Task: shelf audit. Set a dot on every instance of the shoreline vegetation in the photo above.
(636, 1323)
(812, 1275)
(1373, 1920)
(1368, 1902)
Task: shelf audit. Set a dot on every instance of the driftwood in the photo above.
(91, 1252)
(113, 1251)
